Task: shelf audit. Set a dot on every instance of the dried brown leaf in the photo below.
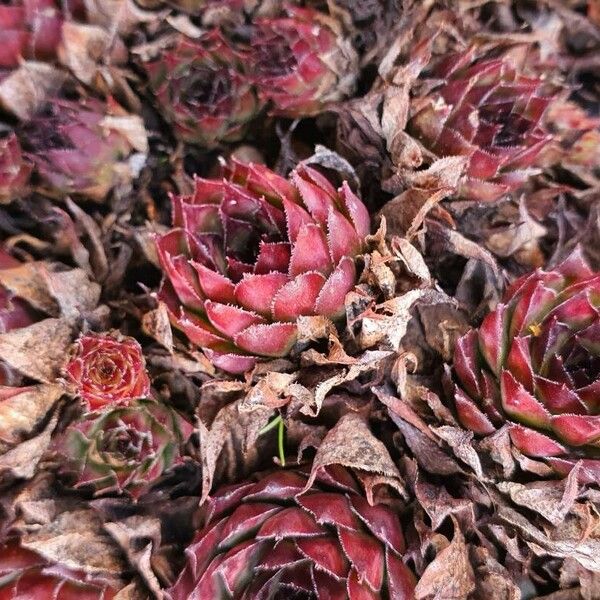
(75, 539)
(40, 350)
(387, 322)
(231, 440)
(21, 461)
(350, 443)
(450, 576)
(439, 504)
(23, 410)
(551, 499)
(156, 324)
(24, 91)
(426, 452)
(138, 537)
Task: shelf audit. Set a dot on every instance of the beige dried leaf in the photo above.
(23, 411)
(40, 350)
(25, 90)
(450, 576)
(350, 443)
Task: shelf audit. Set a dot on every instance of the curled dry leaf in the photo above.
(350, 443)
(450, 576)
(138, 537)
(228, 444)
(551, 499)
(24, 91)
(75, 539)
(21, 461)
(23, 409)
(40, 350)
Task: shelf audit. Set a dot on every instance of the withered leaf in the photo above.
(39, 350)
(350, 443)
(450, 576)
(24, 91)
(439, 504)
(21, 461)
(388, 321)
(231, 438)
(23, 409)
(75, 539)
(460, 441)
(551, 499)
(156, 324)
(138, 536)
(585, 550)
(427, 453)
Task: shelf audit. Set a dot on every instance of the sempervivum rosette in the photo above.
(108, 369)
(535, 363)
(252, 252)
(14, 170)
(201, 87)
(269, 539)
(25, 575)
(84, 147)
(483, 108)
(302, 62)
(123, 450)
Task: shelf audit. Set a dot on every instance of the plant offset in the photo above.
(299, 300)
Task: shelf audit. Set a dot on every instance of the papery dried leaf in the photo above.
(351, 443)
(585, 551)
(156, 324)
(552, 499)
(25, 90)
(450, 576)
(22, 409)
(388, 322)
(138, 537)
(21, 461)
(76, 540)
(40, 350)
(439, 504)
(230, 439)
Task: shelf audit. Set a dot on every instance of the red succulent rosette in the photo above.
(108, 370)
(14, 171)
(82, 147)
(535, 364)
(273, 539)
(25, 575)
(201, 87)
(484, 108)
(123, 449)
(32, 29)
(302, 62)
(252, 252)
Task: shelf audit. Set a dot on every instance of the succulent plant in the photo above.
(302, 62)
(253, 251)
(26, 575)
(32, 29)
(83, 147)
(482, 107)
(123, 450)
(108, 370)
(14, 170)
(269, 539)
(534, 364)
(201, 86)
